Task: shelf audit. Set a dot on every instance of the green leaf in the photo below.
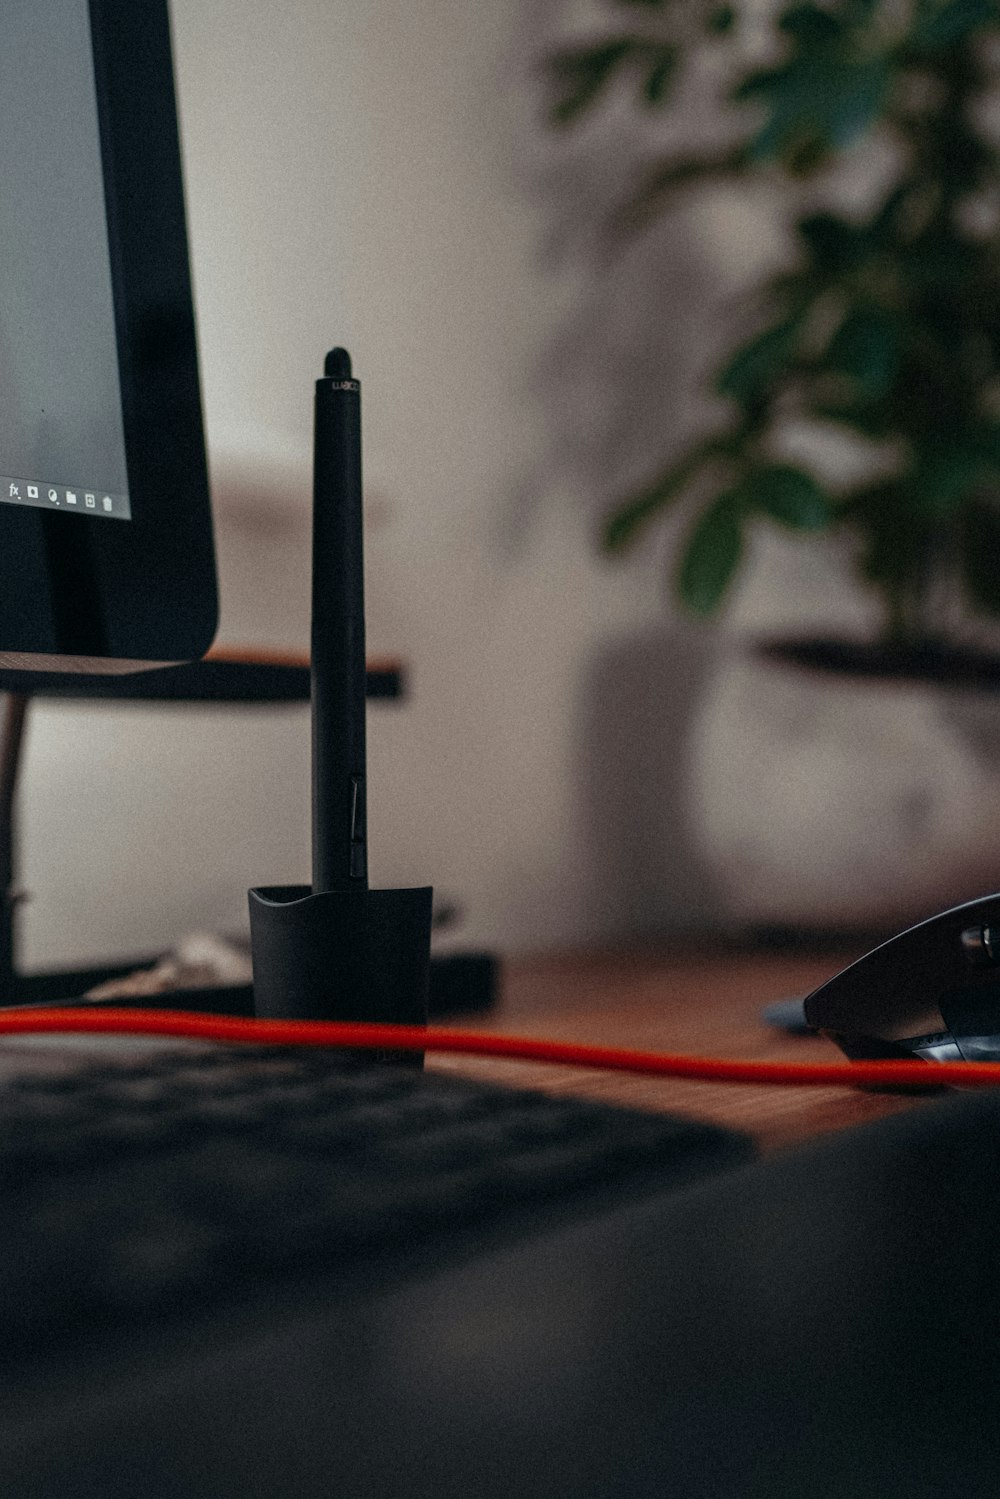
(855, 11)
(758, 363)
(657, 81)
(580, 76)
(884, 227)
(787, 495)
(721, 21)
(834, 246)
(758, 84)
(856, 99)
(826, 96)
(871, 419)
(942, 477)
(941, 260)
(979, 551)
(866, 349)
(941, 26)
(987, 447)
(631, 515)
(808, 24)
(712, 555)
(896, 537)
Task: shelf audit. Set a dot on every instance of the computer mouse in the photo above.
(932, 992)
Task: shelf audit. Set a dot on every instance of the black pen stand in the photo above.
(358, 955)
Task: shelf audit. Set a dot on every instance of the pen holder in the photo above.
(360, 955)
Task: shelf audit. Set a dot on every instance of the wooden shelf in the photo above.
(228, 674)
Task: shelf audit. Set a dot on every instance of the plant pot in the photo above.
(931, 662)
(837, 785)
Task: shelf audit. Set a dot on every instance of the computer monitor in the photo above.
(106, 556)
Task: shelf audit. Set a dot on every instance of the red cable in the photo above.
(201, 1027)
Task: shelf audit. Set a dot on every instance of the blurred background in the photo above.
(578, 763)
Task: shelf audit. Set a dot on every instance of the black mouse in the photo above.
(932, 992)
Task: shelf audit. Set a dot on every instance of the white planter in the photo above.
(822, 801)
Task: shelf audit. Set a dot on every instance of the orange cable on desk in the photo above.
(200, 1027)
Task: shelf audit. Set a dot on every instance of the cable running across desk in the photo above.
(193, 1026)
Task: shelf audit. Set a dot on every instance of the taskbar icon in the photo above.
(59, 496)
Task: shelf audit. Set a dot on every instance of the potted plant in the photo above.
(883, 327)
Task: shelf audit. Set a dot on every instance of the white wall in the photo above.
(356, 174)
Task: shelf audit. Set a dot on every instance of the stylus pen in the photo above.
(339, 831)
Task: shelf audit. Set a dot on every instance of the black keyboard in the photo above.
(140, 1187)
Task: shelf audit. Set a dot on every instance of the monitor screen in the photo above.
(106, 557)
(61, 432)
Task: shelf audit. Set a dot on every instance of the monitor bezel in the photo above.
(128, 593)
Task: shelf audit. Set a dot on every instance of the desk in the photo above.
(694, 1002)
(821, 1325)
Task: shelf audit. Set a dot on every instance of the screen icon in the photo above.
(106, 502)
(32, 491)
(53, 495)
(70, 496)
(90, 501)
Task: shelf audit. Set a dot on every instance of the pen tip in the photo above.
(337, 365)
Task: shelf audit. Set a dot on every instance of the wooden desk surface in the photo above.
(699, 1004)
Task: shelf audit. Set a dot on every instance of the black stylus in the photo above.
(339, 821)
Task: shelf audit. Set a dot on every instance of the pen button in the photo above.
(357, 809)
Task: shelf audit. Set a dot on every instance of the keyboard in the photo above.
(150, 1185)
(765, 1333)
